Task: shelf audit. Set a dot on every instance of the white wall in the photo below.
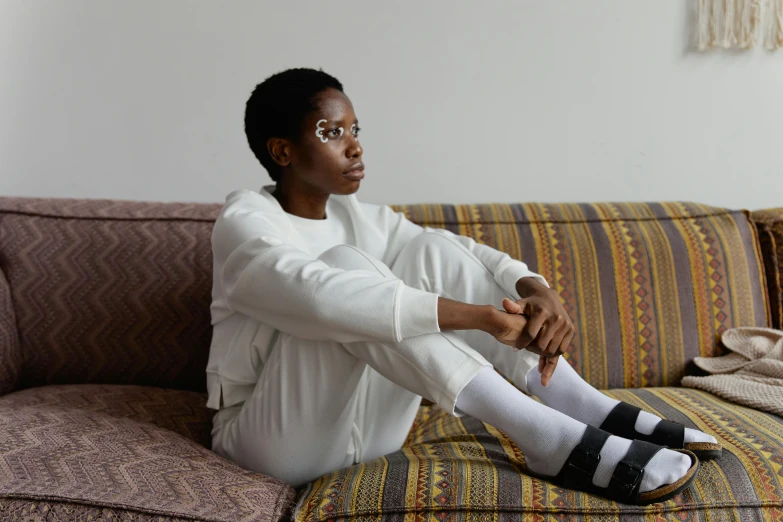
(503, 101)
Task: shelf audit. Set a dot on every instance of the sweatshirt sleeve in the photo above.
(262, 275)
(505, 269)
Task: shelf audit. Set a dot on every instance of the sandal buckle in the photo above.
(582, 466)
(629, 473)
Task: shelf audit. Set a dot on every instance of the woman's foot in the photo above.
(568, 393)
(547, 437)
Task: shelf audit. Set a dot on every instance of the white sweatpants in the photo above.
(320, 405)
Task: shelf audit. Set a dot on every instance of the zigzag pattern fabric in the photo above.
(111, 291)
(128, 449)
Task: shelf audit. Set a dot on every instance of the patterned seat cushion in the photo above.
(180, 411)
(53, 511)
(649, 286)
(461, 469)
(122, 452)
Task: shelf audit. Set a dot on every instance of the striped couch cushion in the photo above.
(461, 469)
(649, 286)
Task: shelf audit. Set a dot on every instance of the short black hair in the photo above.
(279, 105)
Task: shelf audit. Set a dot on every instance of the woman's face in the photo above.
(328, 156)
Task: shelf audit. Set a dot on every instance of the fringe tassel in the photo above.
(732, 23)
(748, 21)
(773, 27)
(705, 34)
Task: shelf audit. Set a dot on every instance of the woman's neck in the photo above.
(299, 203)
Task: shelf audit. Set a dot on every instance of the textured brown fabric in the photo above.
(110, 209)
(52, 511)
(110, 291)
(10, 352)
(96, 446)
(769, 223)
(180, 411)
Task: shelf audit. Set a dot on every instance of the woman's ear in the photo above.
(280, 150)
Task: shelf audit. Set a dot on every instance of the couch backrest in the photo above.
(10, 351)
(649, 286)
(119, 291)
(769, 223)
(109, 291)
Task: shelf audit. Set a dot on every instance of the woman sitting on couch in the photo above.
(333, 317)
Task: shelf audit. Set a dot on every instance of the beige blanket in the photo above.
(751, 375)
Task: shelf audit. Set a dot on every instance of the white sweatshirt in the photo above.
(267, 278)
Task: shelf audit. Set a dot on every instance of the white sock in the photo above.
(547, 437)
(568, 393)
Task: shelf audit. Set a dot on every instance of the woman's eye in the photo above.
(356, 131)
(334, 132)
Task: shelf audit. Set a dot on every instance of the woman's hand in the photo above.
(546, 365)
(549, 330)
(507, 327)
(512, 325)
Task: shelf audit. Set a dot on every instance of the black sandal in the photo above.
(577, 472)
(621, 421)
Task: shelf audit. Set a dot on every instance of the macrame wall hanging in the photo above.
(740, 24)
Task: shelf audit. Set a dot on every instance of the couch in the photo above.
(105, 331)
